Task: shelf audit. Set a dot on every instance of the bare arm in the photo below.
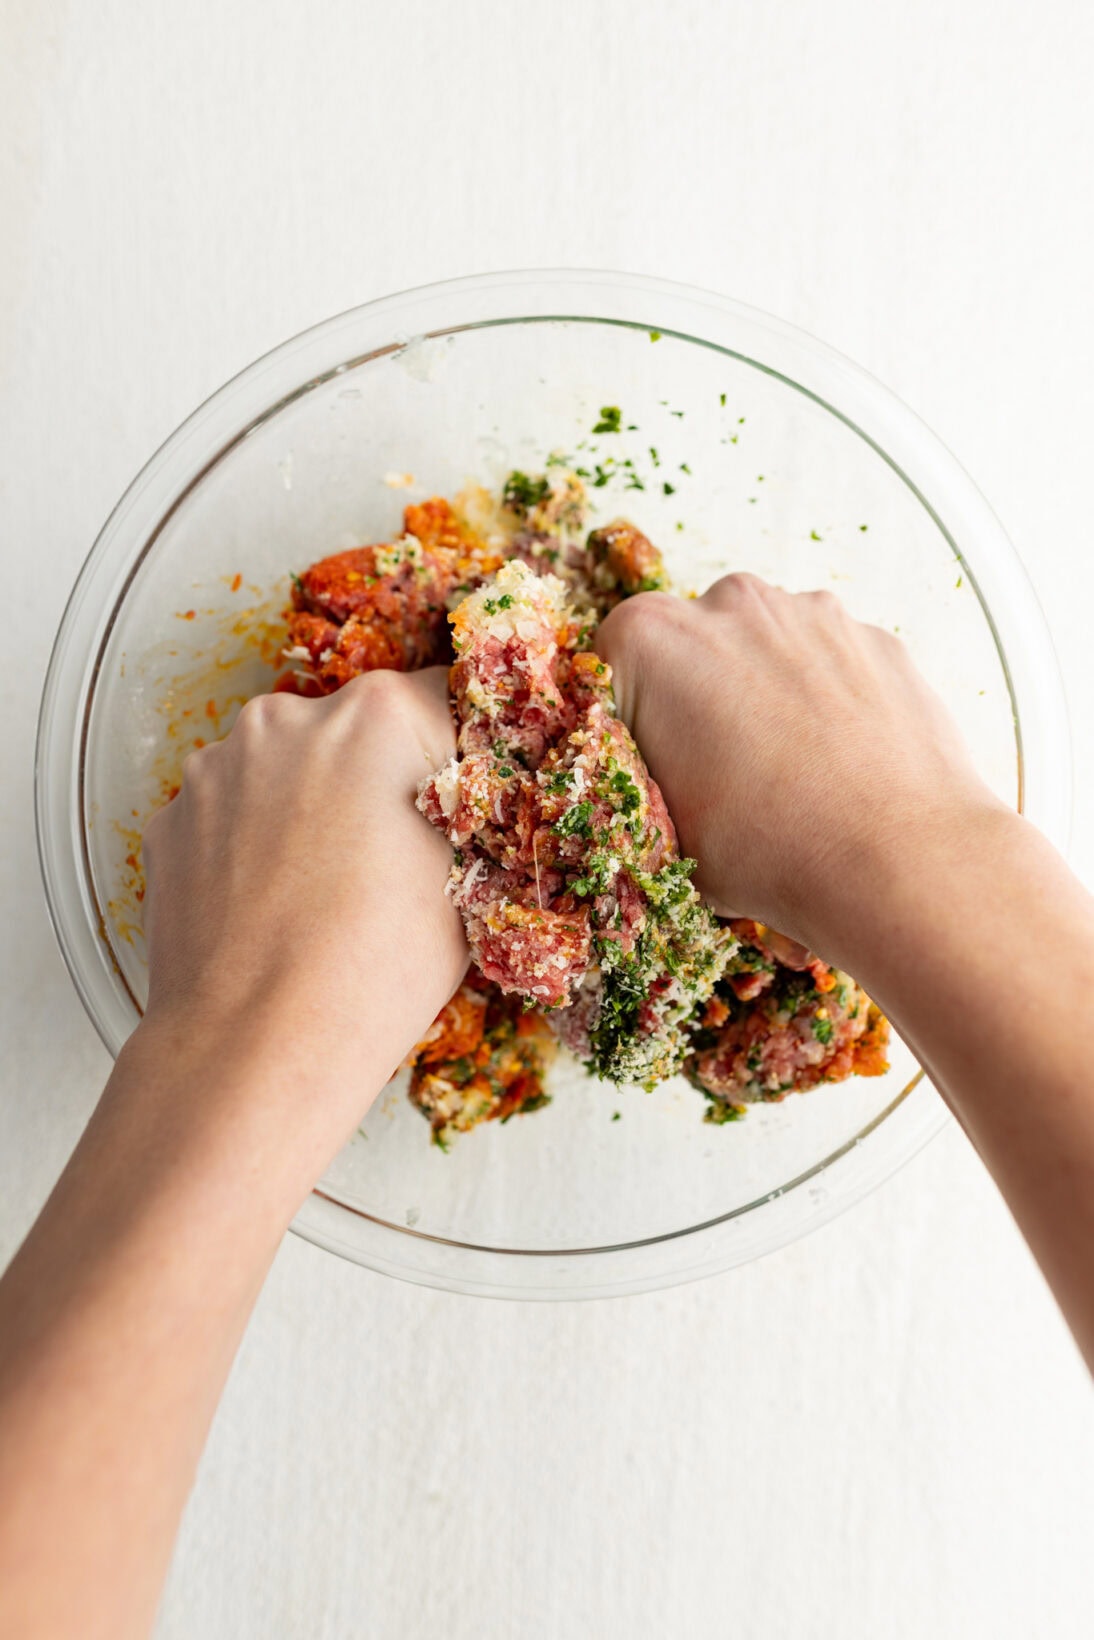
(824, 790)
(300, 942)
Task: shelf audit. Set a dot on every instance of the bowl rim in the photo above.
(939, 483)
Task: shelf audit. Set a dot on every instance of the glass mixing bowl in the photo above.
(756, 448)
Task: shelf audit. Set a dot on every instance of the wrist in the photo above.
(900, 874)
(257, 1095)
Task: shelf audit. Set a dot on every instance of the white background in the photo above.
(881, 1432)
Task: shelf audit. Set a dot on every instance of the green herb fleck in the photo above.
(669, 489)
(719, 1114)
(611, 419)
(576, 822)
(655, 335)
(522, 493)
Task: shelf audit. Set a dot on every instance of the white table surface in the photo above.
(883, 1431)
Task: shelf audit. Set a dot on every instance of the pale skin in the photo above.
(300, 943)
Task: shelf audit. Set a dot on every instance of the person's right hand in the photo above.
(794, 745)
(296, 898)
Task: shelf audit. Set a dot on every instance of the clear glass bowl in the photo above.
(772, 454)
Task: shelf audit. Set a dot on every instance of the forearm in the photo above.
(978, 943)
(121, 1315)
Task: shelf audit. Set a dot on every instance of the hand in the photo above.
(294, 892)
(793, 744)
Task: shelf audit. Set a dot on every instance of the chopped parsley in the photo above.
(611, 419)
(521, 493)
(822, 1030)
(576, 822)
(621, 786)
(600, 868)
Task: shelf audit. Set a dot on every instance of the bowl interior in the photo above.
(724, 462)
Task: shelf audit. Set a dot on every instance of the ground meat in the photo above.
(600, 568)
(443, 531)
(483, 1060)
(457, 1030)
(762, 953)
(567, 873)
(795, 1034)
(624, 562)
(385, 606)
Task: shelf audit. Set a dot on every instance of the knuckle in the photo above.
(742, 583)
(638, 617)
(258, 713)
(196, 766)
(740, 590)
(825, 601)
(383, 692)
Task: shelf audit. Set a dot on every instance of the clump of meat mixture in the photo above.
(567, 869)
(600, 567)
(482, 1060)
(387, 606)
(776, 1026)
